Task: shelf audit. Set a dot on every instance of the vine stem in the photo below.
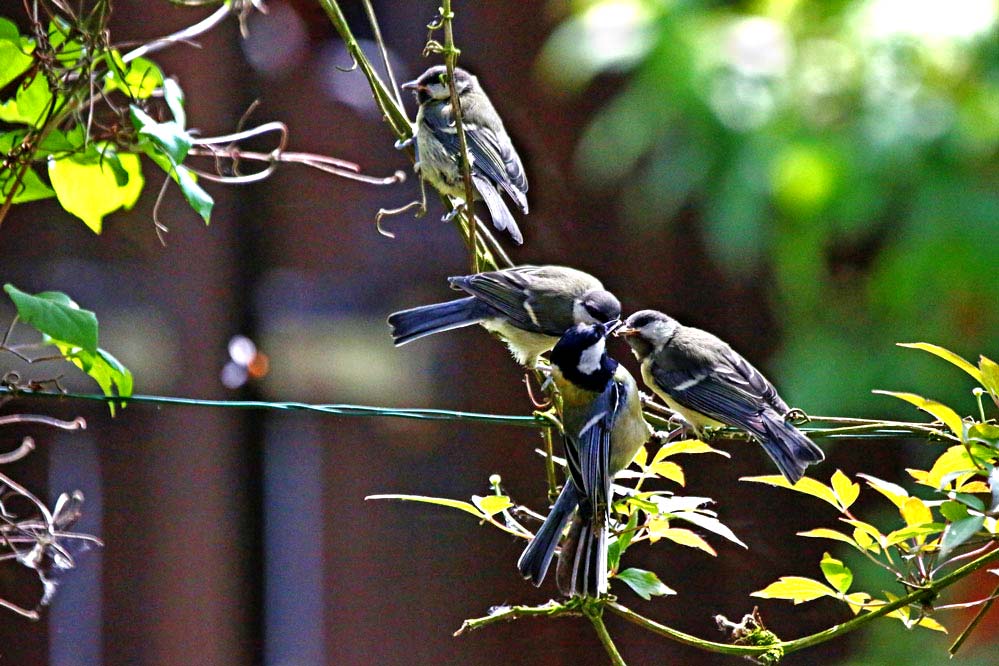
(916, 597)
(594, 612)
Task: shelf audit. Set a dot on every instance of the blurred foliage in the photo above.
(849, 148)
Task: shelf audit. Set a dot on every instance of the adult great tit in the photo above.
(528, 306)
(603, 429)
(493, 162)
(709, 384)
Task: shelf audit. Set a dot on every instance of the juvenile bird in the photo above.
(603, 430)
(493, 161)
(709, 384)
(528, 306)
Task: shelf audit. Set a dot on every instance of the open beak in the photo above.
(612, 326)
(623, 331)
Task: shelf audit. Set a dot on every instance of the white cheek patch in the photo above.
(589, 360)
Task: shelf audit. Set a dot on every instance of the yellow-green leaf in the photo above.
(87, 186)
(826, 533)
(856, 601)
(641, 458)
(845, 490)
(441, 501)
(669, 470)
(805, 485)
(954, 460)
(795, 588)
(938, 410)
(990, 374)
(894, 492)
(915, 512)
(929, 623)
(837, 573)
(946, 355)
(865, 528)
(492, 504)
(686, 446)
(686, 537)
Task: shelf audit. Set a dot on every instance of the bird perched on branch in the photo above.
(603, 429)
(709, 384)
(493, 162)
(528, 306)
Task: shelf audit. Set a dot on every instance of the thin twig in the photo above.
(511, 613)
(594, 612)
(376, 32)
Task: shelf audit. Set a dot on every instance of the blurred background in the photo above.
(811, 181)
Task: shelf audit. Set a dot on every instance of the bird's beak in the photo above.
(623, 331)
(411, 85)
(612, 326)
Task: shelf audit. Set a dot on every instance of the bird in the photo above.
(709, 384)
(493, 161)
(530, 307)
(603, 430)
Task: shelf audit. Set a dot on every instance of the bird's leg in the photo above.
(403, 144)
(542, 404)
(455, 212)
(797, 416)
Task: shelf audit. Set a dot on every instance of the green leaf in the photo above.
(804, 485)
(68, 51)
(31, 187)
(915, 512)
(440, 501)
(838, 575)
(491, 504)
(682, 536)
(711, 524)
(54, 314)
(856, 601)
(174, 97)
(646, 584)
(196, 197)
(947, 355)
(169, 137)
(894, 492)
(953, 511)
(15, 53)
(796, 589)
(846, 491)
(990, 374)
(917, 532)
(113, 377)
(88, 186)
(619, 545)
(686, 446)
(668, 470)
(986, 433)
(958, 532)
(139, 79)
(936, 409)
(30, 105)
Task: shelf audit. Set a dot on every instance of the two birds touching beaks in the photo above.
(537, 309)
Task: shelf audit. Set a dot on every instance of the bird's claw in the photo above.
(455, 212)
(402, 144)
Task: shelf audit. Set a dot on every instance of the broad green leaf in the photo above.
(30, 105)
(938, 410)
(796, 589)
(646, 584)
(619, 545)
(838, 575)
(68, 51)
(141, 79)
(87, 186)
(894, 492)
(985, 433)
(440, 501)
(856, 601)
(15, 54)
(31, 187)
(686, 446)
(54, 314)
(491, 504)
(953, 510)
(805, 485)
(958, 532)
(946, 355)
(668, 470)
(952, 463)
(196, 197)
(915, 512)
(113, 377)
(826, 533)
(917, 532)
(845, 490)
(169, 137)
(174, 97)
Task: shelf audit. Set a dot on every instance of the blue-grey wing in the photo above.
(588, 450)
(507, 292)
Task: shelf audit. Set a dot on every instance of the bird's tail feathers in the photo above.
(415, 323)
(582, 562)
(788, 446)
(501, 215)
(537, 557)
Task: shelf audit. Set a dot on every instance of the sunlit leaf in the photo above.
(174, 98)
(709, 524)
(915, 512)
(865, 528)
(619, 545)
(894, 492)
(646, 584)
(686, 446)
(929, 623)
(936, 409)
(54, 314)
(668, 470)
(805, 485)
(30, 104)
(109, 373)
(865, 540)
(856, 601)
(917, 532)
(838, 575)
(990, 374)
(141, 78)
(641, 458)
(947, 355)
(491, 504)
(796, 589)
(172, 139)
(826, 533)
(985, 433)
(685, 537)
(31, 187)
(952, 463)
(88, 185)
(15, 53)
(440, 501)
(845, 490)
